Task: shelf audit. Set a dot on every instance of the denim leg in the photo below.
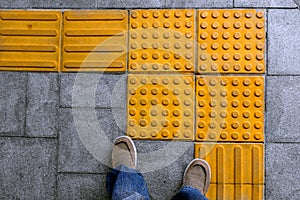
(189, 193)
(126, 183)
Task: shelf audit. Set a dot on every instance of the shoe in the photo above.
(197, 175)
(124, 152)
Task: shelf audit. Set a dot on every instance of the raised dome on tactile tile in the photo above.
(232, 41)
(161, 39)
(230, 108)
(160, 107)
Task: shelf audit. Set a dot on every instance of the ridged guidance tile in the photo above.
(95, 40)
(233, 163)
(236, 191)
(30, 40)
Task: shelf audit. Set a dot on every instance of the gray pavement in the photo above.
(28, 168)
(43, 157)
(283, 43)
(265, 3)
(13, 103)
(42, 105)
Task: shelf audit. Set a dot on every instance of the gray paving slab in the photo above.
(14, 4)
(284, 40)
(282, 171)
(297, 2)
(62, 4)
(265, 3)
(199, 4)
(42, 105)
(283, 108)
(27, 168)
(93, 90)
(12, 103)
(82, 186)
(85, 146)
(163, 163)
(131, 3)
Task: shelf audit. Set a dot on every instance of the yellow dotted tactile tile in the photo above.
(230, 108)
(30, 40)
(95, 40)
(237, 170)
(231, 41)
(160, 107)
(161, 40)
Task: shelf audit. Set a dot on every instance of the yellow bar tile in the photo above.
(160, 107)
(233, 163)
(30, 40)
(230, 108)
(231, 41)
(235, 191)
(161, 40)
(95, 41)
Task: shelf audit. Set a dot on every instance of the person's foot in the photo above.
(124, 152)
(197, 175)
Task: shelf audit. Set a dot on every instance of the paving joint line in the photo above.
(26, 105)
(82, 173)
(91, 107)
(283, 75)
(59, 77)
(148, 8)
(28, 137)
(282, 142)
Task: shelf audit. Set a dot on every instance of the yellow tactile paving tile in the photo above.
(231, 41)
(230, 108)
(160, 107)
(235, 191)
(30, 40)
(95, 40)
(233, 163)
(161, 40)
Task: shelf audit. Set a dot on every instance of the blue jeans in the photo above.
(124, 183)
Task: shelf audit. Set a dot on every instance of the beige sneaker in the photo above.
(197, 175)
(124, 152)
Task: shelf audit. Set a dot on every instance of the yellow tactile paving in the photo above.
(226, 111)
(235, 191)
(233, 163)
(30, 40)
(160, 107)
(161, 40)
(231, 41)
(95, 40)
(230, 108)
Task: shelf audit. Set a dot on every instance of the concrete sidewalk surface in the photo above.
(43, 157)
